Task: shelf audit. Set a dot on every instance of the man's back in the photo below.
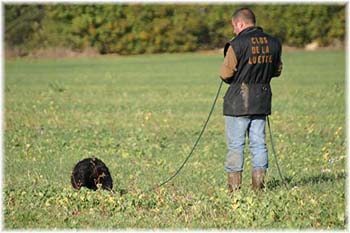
(258, 56)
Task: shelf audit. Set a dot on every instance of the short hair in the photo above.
(246, 14)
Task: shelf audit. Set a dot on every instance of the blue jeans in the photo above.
(236, 130)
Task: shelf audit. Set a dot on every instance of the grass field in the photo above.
(141, 115)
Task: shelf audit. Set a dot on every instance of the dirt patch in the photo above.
(63, 53)
(314, 46)
(212, 51)
(52, 53)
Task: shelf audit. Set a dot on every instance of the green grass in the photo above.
(141, 115)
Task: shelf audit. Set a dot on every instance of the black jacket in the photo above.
(258, 60)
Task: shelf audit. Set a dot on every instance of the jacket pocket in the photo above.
(260, 98)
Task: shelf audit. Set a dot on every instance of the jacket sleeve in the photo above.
(279, 65)
(228, 67)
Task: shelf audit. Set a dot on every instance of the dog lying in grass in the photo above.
(91, 173)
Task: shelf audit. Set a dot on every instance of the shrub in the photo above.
(137, 28)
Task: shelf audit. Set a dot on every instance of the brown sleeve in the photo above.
(228, 67)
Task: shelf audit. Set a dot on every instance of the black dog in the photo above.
(90, 173)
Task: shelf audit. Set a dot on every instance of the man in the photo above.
(252, 58)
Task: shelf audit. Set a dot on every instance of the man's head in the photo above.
(242, 19)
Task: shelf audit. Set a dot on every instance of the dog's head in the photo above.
(103, 177)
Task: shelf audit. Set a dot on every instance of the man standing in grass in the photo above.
(252, 58)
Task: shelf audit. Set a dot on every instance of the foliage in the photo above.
(140, 115)
(21, 24)
(137, 28)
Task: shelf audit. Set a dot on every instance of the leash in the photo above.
(274, 153)
(194, 145)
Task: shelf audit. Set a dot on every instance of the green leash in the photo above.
(275, 154)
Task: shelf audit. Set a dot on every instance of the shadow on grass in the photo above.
(315, 179)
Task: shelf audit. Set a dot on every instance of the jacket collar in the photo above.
(250, 29)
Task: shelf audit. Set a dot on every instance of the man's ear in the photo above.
(239, 23)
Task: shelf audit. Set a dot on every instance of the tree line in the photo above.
(158, 28)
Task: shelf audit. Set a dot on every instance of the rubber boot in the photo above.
(234, 180)
(258, 179)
